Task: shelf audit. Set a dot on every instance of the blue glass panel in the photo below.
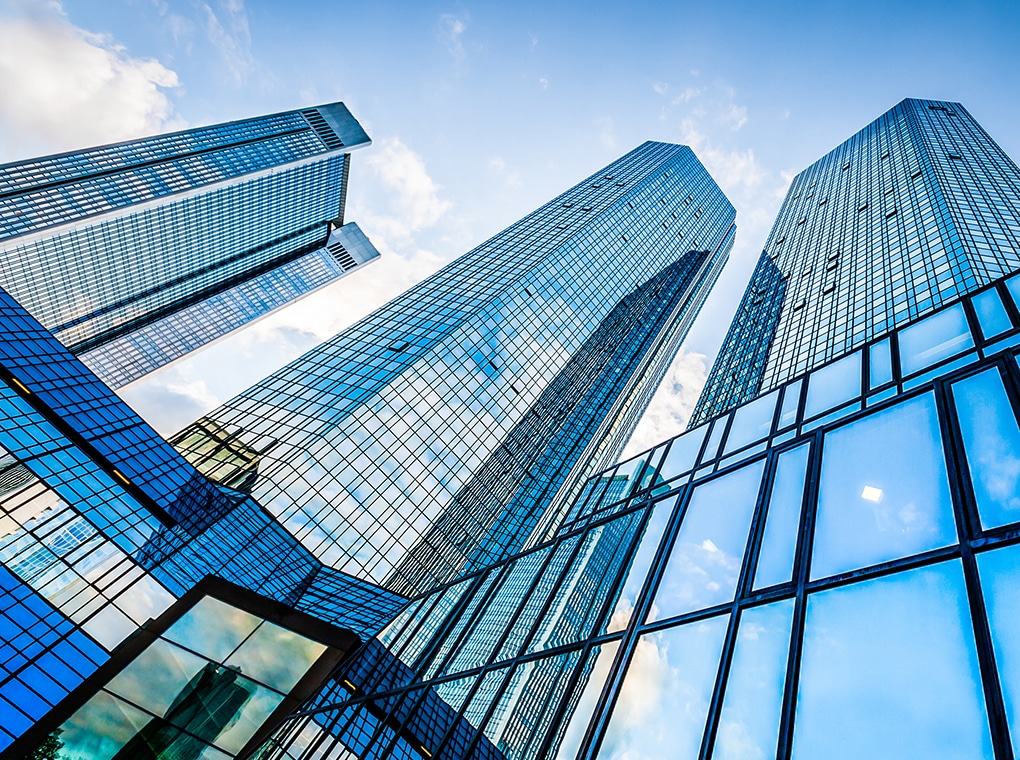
(712, 449)
(833, 385)
(889, 670)
(638, 571)
(752, 422)
(883, 491)
(991, 313)
(704, 564)
(933, 339)
(599, 662)
(1013, 285)
(682, 453)
(1000, 581)
(791, 402)
(749, 722)
(991, 441)
(880, 364)
(664, 699)
(779, 542)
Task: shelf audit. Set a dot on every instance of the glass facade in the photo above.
(100, 243)
(452, 426)
(914, 210)
(835, 582)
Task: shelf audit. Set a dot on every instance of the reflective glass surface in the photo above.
(791, 404)
(889, 670)
(883, 490)
(991, 313)
(880, 364)
(749, 722)
(1000, 582)
(602, 659)
(782, 521)
(705, 559)
(661, 710)
(683, 453)
(634, 581)
(991, 440)
(933, 339)
(752, 422)
(833, 385)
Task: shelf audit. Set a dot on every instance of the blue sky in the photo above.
(481, 112)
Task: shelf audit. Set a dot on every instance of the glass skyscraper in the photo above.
(437, 433)
(134, 254)
(827, 567)
(148, 609)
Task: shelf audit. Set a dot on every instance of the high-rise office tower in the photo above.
(449, 427)
(828, 567)
(914, 210)
(134, 254)
(145, 609)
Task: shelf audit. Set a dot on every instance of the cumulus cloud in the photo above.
(660, 88)
(63, 87)
(732, 169)
(451, 32)
(672, 404)
(412, 199)
(688, 94)
(606, 134)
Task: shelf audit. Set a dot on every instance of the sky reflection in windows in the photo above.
(889, 670)
(991, 440)
(704, 565)
(883, 491)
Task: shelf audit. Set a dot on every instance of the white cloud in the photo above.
(229, 33)
(732, 169)
(672, 404)
(533, 40)
(451, 30)
(544, 82)
(412, 199)
(63, 87)
(511, 177)
(660, 88)
(688, 94)
(735, 117)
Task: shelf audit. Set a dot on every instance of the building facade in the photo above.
(914, 210)
(828, 568)
(127, 251)
(148, 609)
(437, 433)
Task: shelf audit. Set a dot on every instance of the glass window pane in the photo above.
(704, 564)
(156, 677)
(715, 439)
(1000, 581)
(1013, 285)
(883, 490)
(600, 660)
(991, 313)
(782, 522)
(683, 452)
(933, 339)
(991, 441)
(880, 364)
(889, 670)
(276, 657)
(833, 385)
(638, 569)
(212, 628)
(791, 402)
(752, 422)
(664, 699)
(749, 722)
(101, 727)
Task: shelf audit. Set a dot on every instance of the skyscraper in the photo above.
(134, 254)
(144, 606)
(828, 567)
(438, 432)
